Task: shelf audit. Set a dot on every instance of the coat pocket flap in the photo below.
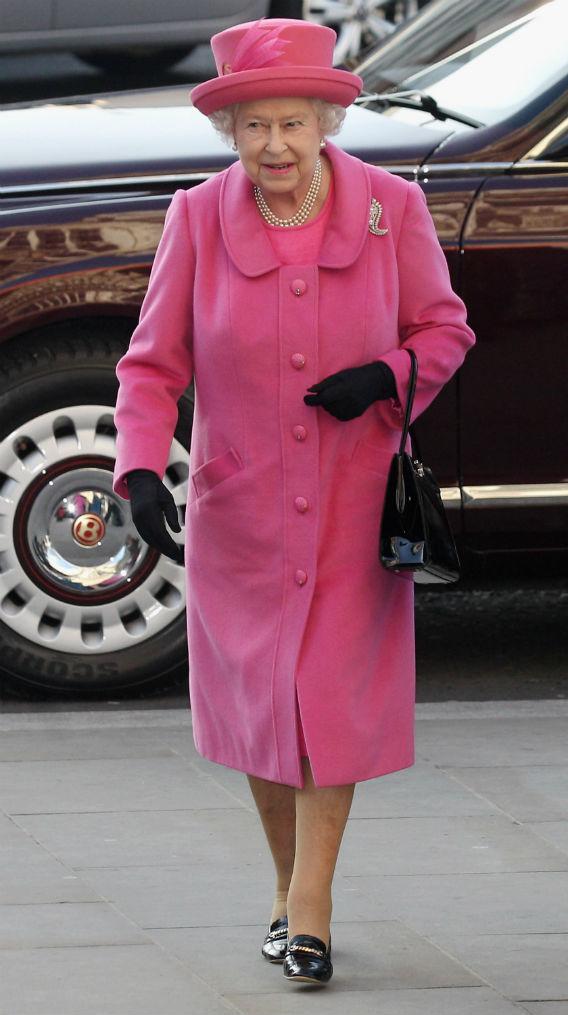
(216, 470)
(372, 456)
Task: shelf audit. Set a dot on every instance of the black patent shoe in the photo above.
(276, 941)
(307, 960)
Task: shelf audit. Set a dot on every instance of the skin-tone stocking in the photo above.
(304, 828)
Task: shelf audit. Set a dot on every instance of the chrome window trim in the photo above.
(110, 181)
(446, 169)
(465, 168)
(539, 166)
(451, 496)
(422, 173)
(515, 495)
(545, 141)
(177, 179)
(505, 495)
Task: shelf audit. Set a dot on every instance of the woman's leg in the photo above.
(304, 828)
(321, 816)
(276, 805)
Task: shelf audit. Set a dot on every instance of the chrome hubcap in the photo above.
(75, 576)
(75, 537)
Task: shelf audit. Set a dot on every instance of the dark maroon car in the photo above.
(84, 185)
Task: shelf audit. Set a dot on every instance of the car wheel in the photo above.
(359, 24)
(85, 604)
(135, 60)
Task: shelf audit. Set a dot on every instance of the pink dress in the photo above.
(301, 245)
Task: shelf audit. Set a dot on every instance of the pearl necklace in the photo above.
(302, 213)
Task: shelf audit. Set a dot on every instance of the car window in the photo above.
(441, 28)
(491, 79)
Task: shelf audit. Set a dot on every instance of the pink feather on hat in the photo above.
(259, 47)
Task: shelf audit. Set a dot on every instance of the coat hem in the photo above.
(382, 770)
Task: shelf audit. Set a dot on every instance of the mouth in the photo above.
(278, 167)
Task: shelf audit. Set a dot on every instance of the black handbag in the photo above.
(415, 533)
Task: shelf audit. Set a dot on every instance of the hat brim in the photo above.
(334, 85)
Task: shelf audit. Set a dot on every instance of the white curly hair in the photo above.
(330, 119)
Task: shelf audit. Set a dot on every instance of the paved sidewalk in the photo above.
(135, 878)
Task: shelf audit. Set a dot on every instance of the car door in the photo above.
(437, 429)
(513, 403)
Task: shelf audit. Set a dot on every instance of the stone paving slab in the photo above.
(451, 845)
(520, 966)
(420, 791)
(220, 837)
(102, 980)
(77, 785)
(127, 861)
(374, 956)
(546, 1007)
(488, 741)
(555, 832)
(173, 897)
(43, 879)
(64, 744)
(53, 925)
(526, 792)
(440, 904)
(297, 1000)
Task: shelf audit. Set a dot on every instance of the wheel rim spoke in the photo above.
(355, 21)
(68, 581)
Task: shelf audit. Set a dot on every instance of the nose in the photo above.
(275, 141)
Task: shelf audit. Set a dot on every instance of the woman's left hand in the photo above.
(347, 393)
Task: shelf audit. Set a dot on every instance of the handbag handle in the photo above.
(409, 402)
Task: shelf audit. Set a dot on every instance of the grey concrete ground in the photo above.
(135, 878)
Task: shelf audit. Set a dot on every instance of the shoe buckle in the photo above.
(307, 948)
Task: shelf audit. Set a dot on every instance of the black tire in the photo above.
(134, 60)
(73, 364)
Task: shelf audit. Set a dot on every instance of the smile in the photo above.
(282, 168)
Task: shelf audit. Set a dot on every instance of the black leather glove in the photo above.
(150, 500)
(349, 392)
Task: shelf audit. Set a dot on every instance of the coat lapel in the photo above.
(246, 238)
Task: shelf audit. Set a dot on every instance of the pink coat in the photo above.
(285, 594)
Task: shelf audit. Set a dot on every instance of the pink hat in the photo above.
(275, 57)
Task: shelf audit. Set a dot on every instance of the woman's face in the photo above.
(275, 131)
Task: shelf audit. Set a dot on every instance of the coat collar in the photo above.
(246, 238)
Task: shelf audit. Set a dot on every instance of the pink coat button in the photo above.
(298, 360)
(298, 286)
(301, 504)
(300, 577)
(299, 432)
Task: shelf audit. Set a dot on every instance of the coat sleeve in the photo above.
(158, 365)
(431, 316)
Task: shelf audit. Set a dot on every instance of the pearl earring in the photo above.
(234, 147)
(323, 143)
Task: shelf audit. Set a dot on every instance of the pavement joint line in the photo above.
(151, 942)
(480, 796)
(196, 766)
(547, 708)
(230, 1005)
(507, 814)
(460, 962)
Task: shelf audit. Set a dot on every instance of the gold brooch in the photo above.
(375, 217)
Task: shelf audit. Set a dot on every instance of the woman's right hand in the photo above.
(150, 500)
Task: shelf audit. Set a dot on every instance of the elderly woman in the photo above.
(289, 287)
